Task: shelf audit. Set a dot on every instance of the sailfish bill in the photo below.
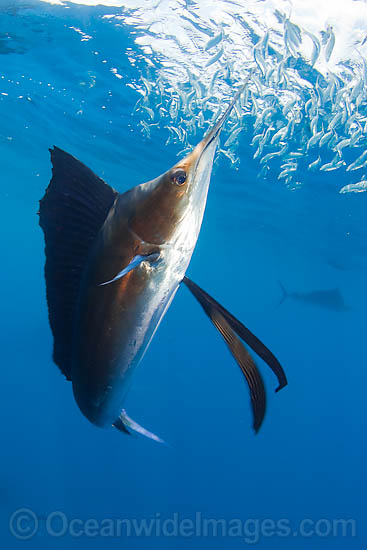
(114, 262)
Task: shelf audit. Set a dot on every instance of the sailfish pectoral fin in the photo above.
(124, 422)
(208, 303)
(135, 262)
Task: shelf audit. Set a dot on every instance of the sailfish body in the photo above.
(113, 264)
(159, 223)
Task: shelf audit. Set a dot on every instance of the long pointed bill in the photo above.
(215, 131)
(203, 153)
(197, 167)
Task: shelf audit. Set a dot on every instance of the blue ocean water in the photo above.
(59, 87)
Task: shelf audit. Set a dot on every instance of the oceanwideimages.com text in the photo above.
(25, 524)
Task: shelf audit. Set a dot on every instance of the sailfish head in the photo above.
(171, 207)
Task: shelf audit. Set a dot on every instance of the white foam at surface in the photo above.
(348, 19)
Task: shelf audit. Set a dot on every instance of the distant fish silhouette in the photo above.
(327, 299)
(335, 263)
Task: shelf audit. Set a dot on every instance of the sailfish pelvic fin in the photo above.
(208, 303)
(229, 326)
(247, 366)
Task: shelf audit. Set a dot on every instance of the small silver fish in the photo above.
(214, 41)
(215, 58)
(358, 187)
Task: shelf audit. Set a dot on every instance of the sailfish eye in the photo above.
(178, 177)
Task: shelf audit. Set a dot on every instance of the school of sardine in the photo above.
(300, 118)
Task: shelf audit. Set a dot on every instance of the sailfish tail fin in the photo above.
(124, 422)
(284, 294)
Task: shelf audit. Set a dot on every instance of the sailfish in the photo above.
(114, 262)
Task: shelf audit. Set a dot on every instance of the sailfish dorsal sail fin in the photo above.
(72, 211)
